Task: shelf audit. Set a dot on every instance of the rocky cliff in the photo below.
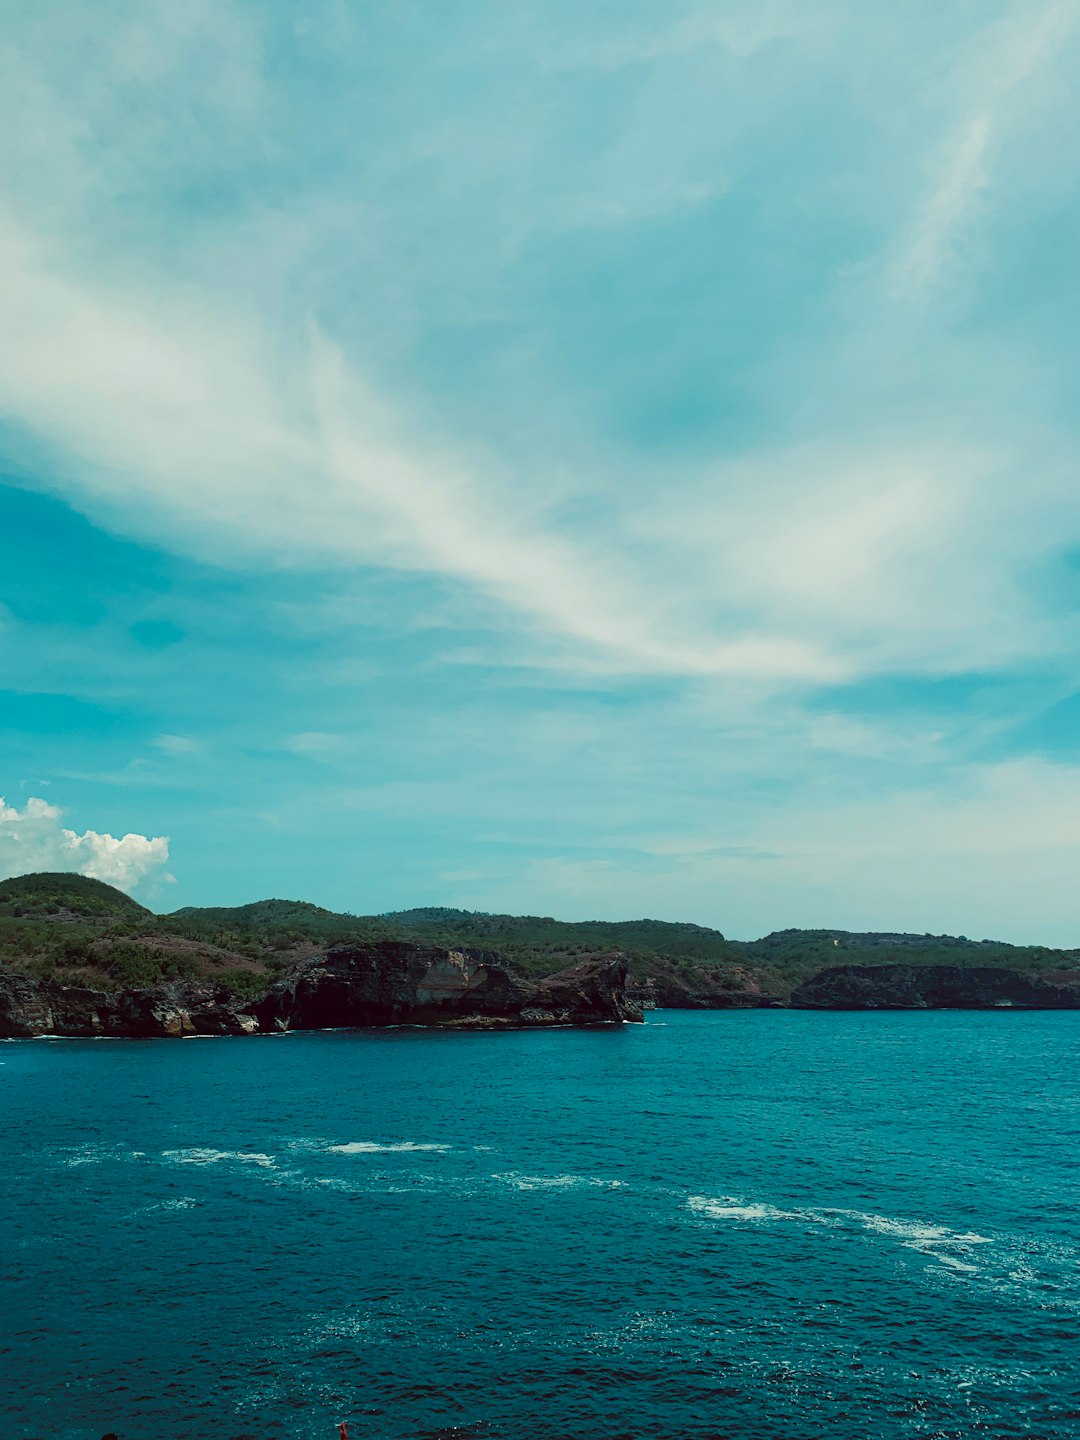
(41, 1007)
(936, 987)
(395, 982)
(694, 988)
(381, 983)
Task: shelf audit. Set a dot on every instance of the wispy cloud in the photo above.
(1008, 56)
(177, 745)
(183, 411)
(572, 415)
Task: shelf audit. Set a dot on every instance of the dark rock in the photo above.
(41, 1007)
(183, 1008)
(936, 987)
(396, 982)
(382, 983)
(591, 993)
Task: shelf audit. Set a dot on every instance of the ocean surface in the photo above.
(768, 1225)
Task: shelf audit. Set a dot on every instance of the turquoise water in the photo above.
(767, 1224)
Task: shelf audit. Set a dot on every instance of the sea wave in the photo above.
(198, 1155)
(520, 1181)
(372, 1147)
(937, 1241)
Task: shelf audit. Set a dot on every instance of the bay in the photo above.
(760, 1224)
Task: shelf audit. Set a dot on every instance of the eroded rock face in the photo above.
(31, 1007)
(183, 1008)
(700, 989)
(587, 994)
(388, 982)
(395, 982)
(385, 983)
(24, 1007)
(936, 987)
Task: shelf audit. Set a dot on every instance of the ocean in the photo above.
(770, 1225)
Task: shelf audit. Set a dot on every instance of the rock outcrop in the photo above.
(40, 1007)
(694, 988)
(936, 987)
(590, 993)
(395, 982)
(381, 983)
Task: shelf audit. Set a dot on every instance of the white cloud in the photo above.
(182, 398)
(34, 839)
(151, 403)
(317, 744)
(1012, 52)
(177, 745)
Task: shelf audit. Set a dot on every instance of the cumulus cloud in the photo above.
(34, 838)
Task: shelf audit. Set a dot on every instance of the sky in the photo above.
(598, 460)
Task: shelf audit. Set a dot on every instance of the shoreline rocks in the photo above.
(732, 989)
(31, 1007)
(377, 984)
(396, 982)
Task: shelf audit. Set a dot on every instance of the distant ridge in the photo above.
(82, 931)
(679, 937)
(258, 912)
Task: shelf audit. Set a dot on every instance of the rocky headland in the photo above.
(79, 957)
(382, 983)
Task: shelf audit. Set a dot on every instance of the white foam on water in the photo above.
(197, 1155)
(914, 1231)
(953, 1262)
(371, 1147)
(88, 1155)
(519, 1181)
(934, 1241)
(95, 1153)
(181, 1202)
(728, 1207)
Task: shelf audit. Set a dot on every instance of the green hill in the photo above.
(85, 932)
(62, 896)
(795, 955)
(541, 933)
(259, 914)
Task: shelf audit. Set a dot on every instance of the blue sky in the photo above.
(596, 460)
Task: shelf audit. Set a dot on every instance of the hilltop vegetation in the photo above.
(51, 895)
(84, 932)
(536, 935)
(80, 931)
(262, 915)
